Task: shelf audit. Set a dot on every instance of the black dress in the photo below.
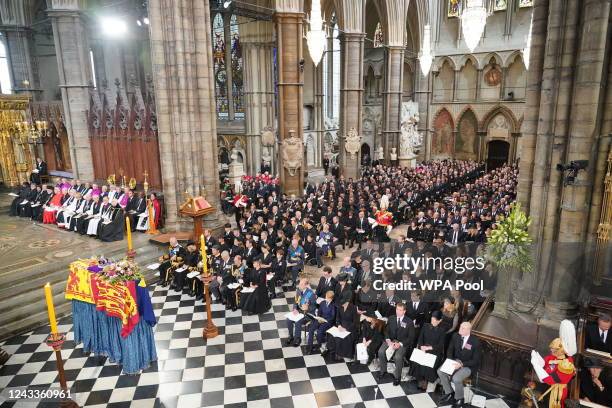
(434, 337)
(349, 319)
(367, 301)
(373, 334)
(256, 302)
(115, 229)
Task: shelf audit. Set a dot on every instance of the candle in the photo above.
(50, 308)
(129, 233)
(204, 260)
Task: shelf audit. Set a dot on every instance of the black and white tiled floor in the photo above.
(246, 365)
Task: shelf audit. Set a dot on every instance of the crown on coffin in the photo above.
(195, 206)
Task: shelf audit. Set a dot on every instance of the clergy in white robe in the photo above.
(103, 214)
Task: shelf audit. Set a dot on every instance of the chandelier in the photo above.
(316, 38)
(32, 133)
(426, 57)
(473, 21)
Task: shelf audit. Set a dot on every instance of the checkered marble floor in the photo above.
(246, 365)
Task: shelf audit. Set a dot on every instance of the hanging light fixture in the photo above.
(426, 57)
(473, 21)
(316, 38)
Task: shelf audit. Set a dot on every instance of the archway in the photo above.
(499, 151)
(366, 157)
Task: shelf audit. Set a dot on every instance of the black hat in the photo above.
(342, 277)
(591, 363)
(190, 242)
(369, 314)
(228, 225)
(436, 314)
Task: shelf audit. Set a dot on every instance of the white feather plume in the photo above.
(384, 201)
(567, 334)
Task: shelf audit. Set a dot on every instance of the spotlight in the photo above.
(139, 23)
(113, 27)
(227, 4)
(146, 20)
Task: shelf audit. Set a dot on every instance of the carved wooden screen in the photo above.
(123, 134)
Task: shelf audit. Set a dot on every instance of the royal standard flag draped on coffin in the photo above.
(116, 300)
(78, 286)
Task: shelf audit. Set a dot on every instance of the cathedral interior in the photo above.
(275, 102)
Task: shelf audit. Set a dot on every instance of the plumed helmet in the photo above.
(384, 202)
(567, 334)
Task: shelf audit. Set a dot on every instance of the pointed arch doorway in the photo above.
(498, 153)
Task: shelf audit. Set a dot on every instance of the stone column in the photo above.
(70, 34)
(392, 97)
(584, 121)
(289, 31)
(316, 171)
(181, 55)
(257, 41)
(351, 16)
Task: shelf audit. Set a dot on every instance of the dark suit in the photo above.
(417, 315)
(469, 356)
(327, 312)
(323, 287)
(362, 224)
(405, 334)
(593, 340)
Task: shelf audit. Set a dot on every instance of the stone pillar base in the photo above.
(236, 171)
(316, 175)
(407, 162)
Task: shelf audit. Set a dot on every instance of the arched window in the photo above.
(228, 67)
(331, 77)
(237, 71)
(219, 71)
(5, 77)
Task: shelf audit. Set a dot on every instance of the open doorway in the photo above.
(498, 151)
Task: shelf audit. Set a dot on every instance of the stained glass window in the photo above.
(219, 69)
(237, 71)
(378, 36)
(454, 8)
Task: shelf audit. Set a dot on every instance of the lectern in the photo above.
(196, 208)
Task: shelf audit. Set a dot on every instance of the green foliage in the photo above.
(508, 245)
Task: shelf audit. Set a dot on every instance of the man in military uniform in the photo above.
(170, 261)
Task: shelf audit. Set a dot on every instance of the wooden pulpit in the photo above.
(196, 208)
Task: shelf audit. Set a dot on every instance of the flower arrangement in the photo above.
(121, 271)
(508, 245)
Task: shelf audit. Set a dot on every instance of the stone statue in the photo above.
(410, 139)
(292, 153)
(393, 154)
(380, 154)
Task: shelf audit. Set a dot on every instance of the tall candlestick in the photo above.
(50, 308)
(129, 233)
(204, 260)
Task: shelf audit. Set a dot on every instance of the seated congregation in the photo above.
(86, 208)
(451, 208)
